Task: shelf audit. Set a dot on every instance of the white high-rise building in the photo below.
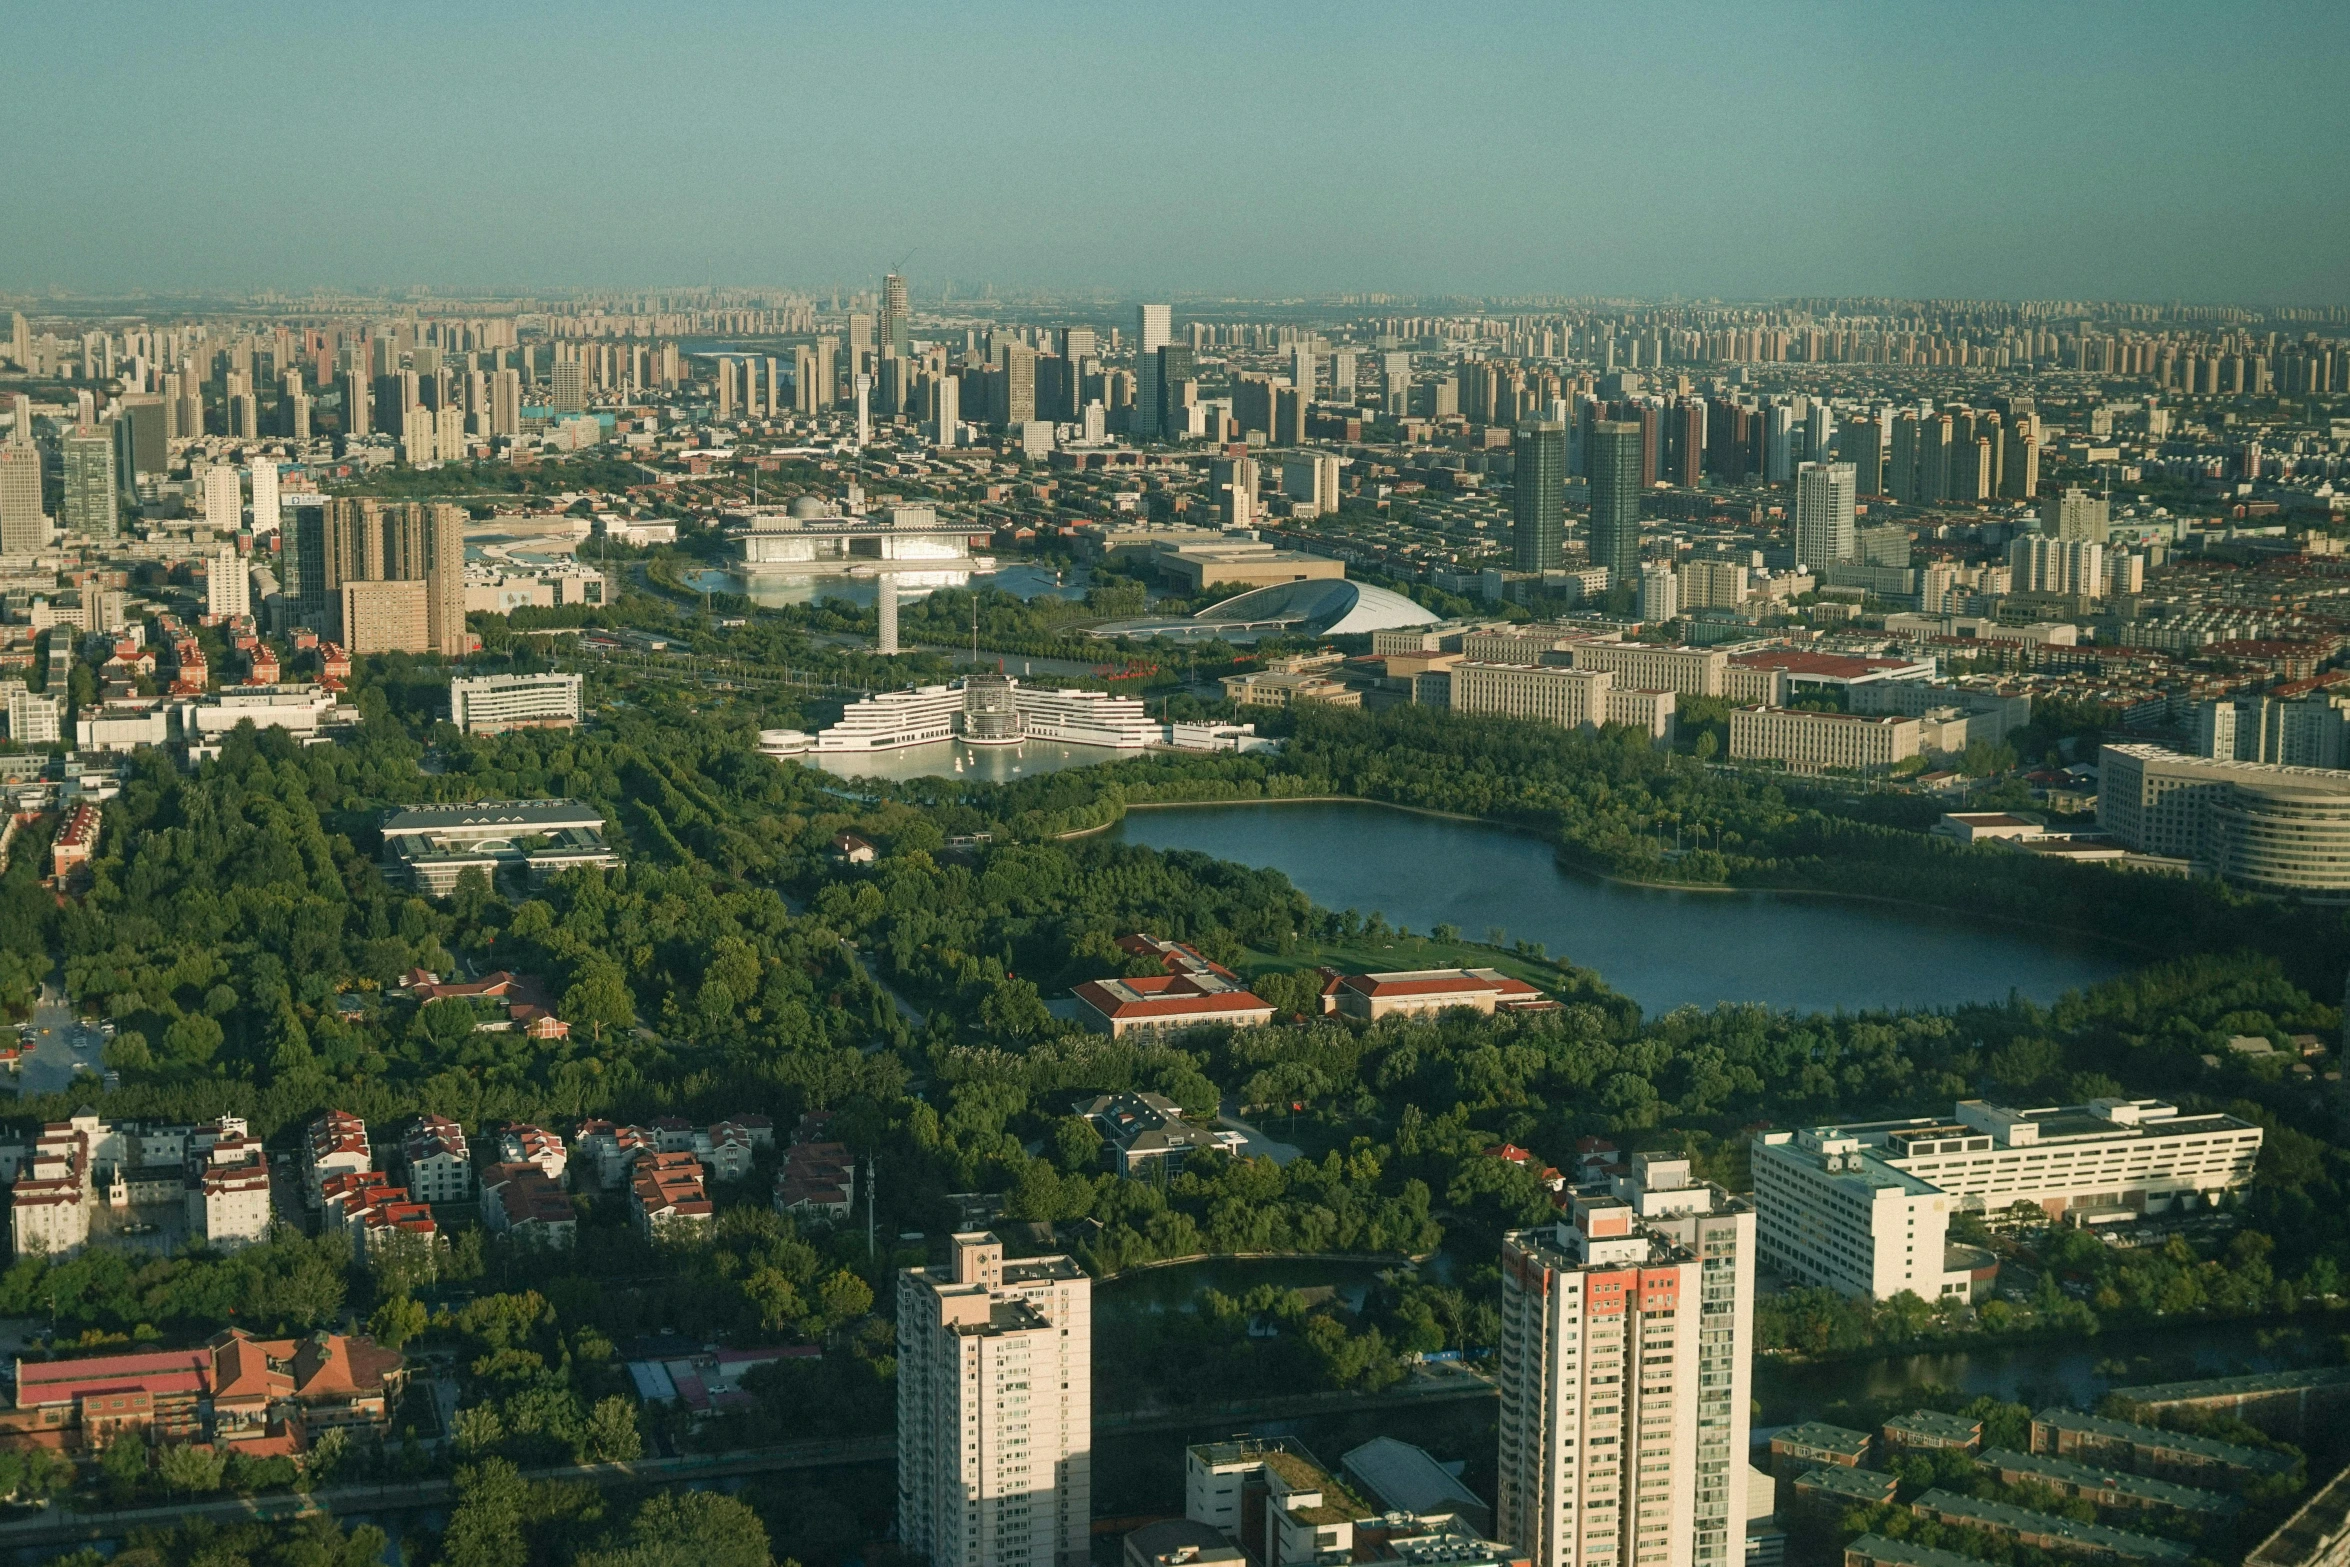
(995, 1409)
(946, 410)
(227, 589)
(1626, 1341)
(34, 720)
(1660, 592)
(224, 499)
(263, 473)
(1153, 327)
(1825, 497)
(885, 603)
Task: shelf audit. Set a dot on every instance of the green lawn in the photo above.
(1364, 956)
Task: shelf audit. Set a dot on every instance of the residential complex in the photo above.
(1866, 1208)
(995, 1409)
(1626, 1336)
(213, 1174)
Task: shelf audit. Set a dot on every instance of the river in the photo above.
(1661, 947)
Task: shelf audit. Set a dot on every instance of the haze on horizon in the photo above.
(2097, 151)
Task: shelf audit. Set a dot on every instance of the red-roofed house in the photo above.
(256, 1390)
(666, 1191)
(336, 1145)
(520, 1200)
(1419, 992)
(1167, 1003)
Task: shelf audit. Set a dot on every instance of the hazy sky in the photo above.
(2044, 150)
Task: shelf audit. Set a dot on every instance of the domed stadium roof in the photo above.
(1319, 608)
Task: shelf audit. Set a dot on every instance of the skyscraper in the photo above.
(1824, 502)
(140, 443)
(995, 1409)
(1151, 331)
(1175, 364)
(1538, 498)
(311, 599)
(1778, 443)
(24, 528)
(227, 589)
(894, 317)
(1019, 366)
(1626, 1339)
(1613, 456)
(946, 395)
(93, 500)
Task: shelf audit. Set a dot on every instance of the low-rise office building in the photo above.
(2261, 824)
(1168, 1003)
(493, 704)
(1812, 742)
(1422, 992)
(429, 847)
(1144, 1134)
(1866, 1208)
(1572, 698)
(2048, 1532)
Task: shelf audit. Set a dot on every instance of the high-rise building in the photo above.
(1818, 426)
(384, 617)
(2075, 514)
(1019, 367)
(1151, 332)
(1862, 444)
(1626, 1342)
(946, 413)
(227, 589)
(995, 1409)
(224, 499)
(885, 605)
(1233, 482)
(141, 443)
(895, 318)
(570, 394)
(1612, 454)
(1175, 363)
(1310, 480)
(1824, 511)
(1901, 468)
(1302, 369)
(311, 600)
(93, 499)
(444, 575)
(34, 720)
(1660, 592)
(1538, 497)
(1937, 441)
(356, 421)
(419, 436)
(20, 419)
(506, 403)
(1779, 443)
(24, 527)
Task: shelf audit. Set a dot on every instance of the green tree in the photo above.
(485, 1527)
(599, 997)
(397, 1320)
(612, 1435)
(189, 1470)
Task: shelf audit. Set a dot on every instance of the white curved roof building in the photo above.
(1332, 607)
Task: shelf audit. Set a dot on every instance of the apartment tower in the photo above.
(1626, 1335)
(995, 1409)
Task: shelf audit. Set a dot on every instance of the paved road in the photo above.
(58, 1045)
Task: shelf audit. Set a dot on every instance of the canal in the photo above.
(1662, 947)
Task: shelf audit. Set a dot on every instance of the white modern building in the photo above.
(493, 704)
(990, 710)
(1866, 1209)
(995, 1409)
(1626, 1340)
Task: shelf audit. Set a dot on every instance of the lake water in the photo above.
(1664, 949)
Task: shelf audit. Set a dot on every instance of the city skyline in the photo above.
(1974, 155)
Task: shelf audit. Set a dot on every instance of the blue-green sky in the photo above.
(2051, 150)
